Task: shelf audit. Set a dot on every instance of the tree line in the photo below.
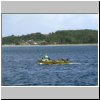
(59, 37)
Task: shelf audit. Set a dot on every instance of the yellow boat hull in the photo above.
(53, 62)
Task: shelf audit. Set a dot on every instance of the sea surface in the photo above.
(20, 68)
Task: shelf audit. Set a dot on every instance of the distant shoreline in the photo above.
(52, 45)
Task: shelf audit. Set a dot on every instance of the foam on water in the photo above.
(75, 63)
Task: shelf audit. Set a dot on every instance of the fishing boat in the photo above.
(47, 60)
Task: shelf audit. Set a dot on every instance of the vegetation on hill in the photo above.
(59, 37)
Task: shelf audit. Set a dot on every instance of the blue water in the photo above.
(19, 67)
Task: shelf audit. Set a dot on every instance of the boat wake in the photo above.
(83, 63)
(75, 63)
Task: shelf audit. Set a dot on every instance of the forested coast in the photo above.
(85, 36)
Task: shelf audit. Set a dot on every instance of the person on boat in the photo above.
(67, 59)
(46, 58)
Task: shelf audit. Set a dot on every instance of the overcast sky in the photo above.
(19, 24)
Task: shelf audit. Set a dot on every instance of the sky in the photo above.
(22, 24)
